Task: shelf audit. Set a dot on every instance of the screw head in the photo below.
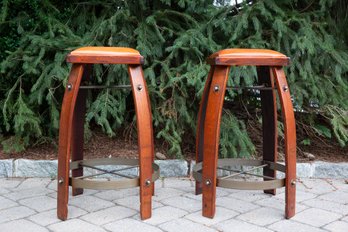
(60, 181)
(140, 87)
(69, 87)
(216, 88)
(147, 182)
(293, 182)
(285, 88)
(207, 182)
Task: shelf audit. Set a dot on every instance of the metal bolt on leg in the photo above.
(147, 182)
(207, 182)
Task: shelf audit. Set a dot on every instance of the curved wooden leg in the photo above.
(65, 134)
(77, 138)
(200, 126)
(212, 121)
(145, 137)
(290, 140)
(269, 122)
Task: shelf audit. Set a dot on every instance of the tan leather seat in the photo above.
(257, 57)
(105, 55)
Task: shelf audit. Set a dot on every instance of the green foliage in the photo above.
(339, 122)
(235, 142)
(175, 37)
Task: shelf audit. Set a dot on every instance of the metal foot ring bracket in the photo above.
(132, 181)
(225, 182)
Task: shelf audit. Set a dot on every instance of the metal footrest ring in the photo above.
(81, 182)
(225, 182)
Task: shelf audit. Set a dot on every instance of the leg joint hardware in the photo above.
(228, 181)
(128, 180)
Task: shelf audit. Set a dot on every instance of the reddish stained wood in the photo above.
(211, 129)
(77, 138)
(65, 134)
(290, 140)
(212, 121)
(269, 122)
(145, 137)
(200, 126)
(257, 57)
(73, 113)
(105, 55)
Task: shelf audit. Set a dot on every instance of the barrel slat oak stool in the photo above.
(271, 77)
(71, 132)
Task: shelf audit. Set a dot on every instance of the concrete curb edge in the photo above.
(169, 168)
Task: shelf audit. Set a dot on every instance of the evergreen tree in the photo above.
(175, 37)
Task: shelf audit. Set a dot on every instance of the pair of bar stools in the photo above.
(270, 77)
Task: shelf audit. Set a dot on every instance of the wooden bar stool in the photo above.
(269, 68)
(72, 119)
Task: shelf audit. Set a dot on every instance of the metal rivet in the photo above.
(147, 182)
(207, 182)
(216, 88)
(69, 86)
(293, 182)
(60, 181)
(285, 88)
(140, 87)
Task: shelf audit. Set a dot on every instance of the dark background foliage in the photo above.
(175, 37)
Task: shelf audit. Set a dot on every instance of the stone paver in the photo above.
(300, 196)
(345, 219)
(277, 203)
(133, 202)
(90, 203)
(50, 216)
(337, 226)
(262, 216)
(328, 205)
(337, 196)
(130, 225)
(233, 225)
(27, 193)
(111, 195)
(221, 214)
(184, 203)
(291, 226)
(184, 225)
(20, 226)
(250, 195)
(6, 203)
(75, 225)
(29, 204)
(104, 216)
(40, 204)
(163, 193)
(34, 183)
(15, 213)
(10, 182)
(236, 204)
(164, 214)
(3, 191)
(316, 217)
(316, 186)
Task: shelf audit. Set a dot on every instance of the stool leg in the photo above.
(77, 138)
(65, 134)
(145, 137)
(200, 126)
(290, 140)
(211, 135)
(269, 122)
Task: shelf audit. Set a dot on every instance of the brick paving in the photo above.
(30, 205)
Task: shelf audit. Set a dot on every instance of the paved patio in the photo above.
(29, 205)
